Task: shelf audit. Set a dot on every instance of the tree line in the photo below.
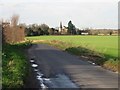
(44, 29)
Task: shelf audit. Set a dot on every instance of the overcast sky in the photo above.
(82, 14)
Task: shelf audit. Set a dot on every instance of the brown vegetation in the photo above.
(12, 33)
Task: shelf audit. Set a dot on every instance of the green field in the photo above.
(103, 44)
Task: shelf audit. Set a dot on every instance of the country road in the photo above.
(52, 61)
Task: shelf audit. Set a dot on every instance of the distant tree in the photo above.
(44, 28)
(34, 27)
(51, 31)
(111, 32)
(23, 25)
(71, 28)
(74, 30)
(36, 30)
(29, 31)
(78, 32)
(40, 31)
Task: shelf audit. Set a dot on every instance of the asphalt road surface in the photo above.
(52, 61)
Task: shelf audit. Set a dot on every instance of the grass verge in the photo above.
(14, 65)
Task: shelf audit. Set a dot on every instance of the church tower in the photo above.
(60, 28)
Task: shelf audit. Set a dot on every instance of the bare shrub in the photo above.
(12, 33)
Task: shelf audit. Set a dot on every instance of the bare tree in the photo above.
(14, 20)
(1, 21)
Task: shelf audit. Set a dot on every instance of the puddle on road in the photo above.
(39, 74)
(32, 61)
(34, 65)
(36, 70)
(59, 81)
